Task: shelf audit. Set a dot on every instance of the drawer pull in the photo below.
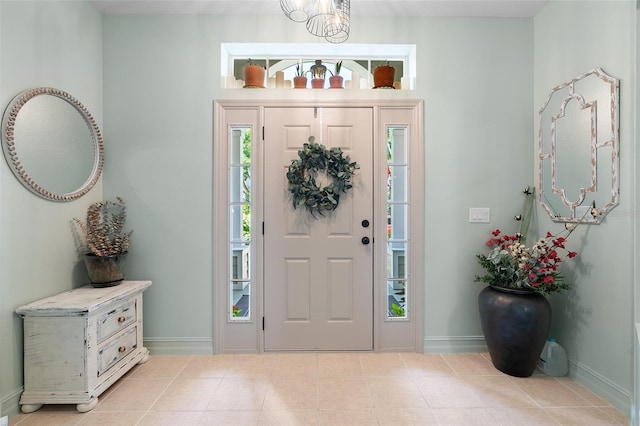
(121, 319)
(122, 349)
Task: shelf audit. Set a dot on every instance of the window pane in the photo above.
(396, 261)
(397, 184)
(240, 261)
(276, 65)
(396, 299)
(397, 226)
(397, 145)
(240, 218)
(240, 146)
(240, 300)
(240, 180)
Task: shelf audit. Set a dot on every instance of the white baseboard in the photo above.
(594, 382)
(179, 346)
(454, 344)
(601, 386)
(10, 403)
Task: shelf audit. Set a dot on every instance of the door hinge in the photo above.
(263, 133)
(262, 228)
(262, 323)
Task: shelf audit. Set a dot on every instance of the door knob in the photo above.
(365, 240)
(365, 223)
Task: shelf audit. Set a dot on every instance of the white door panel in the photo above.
(318, 274)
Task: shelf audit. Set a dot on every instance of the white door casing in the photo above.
(389, 334)
(318, 274)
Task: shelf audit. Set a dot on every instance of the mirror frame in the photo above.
(610, 140)
(9, 144)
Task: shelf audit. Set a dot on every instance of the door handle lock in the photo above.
(365, 240)
(365, 223)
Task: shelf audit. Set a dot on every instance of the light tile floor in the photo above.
(333, 389)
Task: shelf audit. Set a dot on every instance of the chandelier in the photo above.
(324, 18)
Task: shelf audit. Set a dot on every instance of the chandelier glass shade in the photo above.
(330, 19)
(296, 10)
(324, 18)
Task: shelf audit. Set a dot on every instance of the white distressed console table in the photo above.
(78, 343)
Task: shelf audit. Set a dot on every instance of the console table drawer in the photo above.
(115, 320)
(112, 352)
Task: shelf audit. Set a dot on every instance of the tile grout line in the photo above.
(148, 410)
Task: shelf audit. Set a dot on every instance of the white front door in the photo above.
(318, 271)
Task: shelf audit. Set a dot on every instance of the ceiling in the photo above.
(479, 8)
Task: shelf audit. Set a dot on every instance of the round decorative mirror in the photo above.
(52, 144)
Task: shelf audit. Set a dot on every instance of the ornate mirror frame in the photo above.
(592, 130)
(11, 155)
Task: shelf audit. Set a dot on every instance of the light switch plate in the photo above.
(479, 215)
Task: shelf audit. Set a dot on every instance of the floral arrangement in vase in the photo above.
(511, 264)
(106, 243)
(104, 228)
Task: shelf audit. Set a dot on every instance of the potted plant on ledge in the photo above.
(254, 75)
(335, 81)
(106, 243)
(300, 80)
(318, 73)
(383, 76)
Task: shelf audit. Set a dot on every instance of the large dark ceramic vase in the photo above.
(105, 271)
(515, 324)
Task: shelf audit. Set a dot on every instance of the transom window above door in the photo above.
(356, 58)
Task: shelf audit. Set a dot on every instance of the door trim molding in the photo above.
(246, 337)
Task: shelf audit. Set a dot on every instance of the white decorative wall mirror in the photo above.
(578, 149)
(52, 144)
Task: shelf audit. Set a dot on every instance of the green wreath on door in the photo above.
(315, 158)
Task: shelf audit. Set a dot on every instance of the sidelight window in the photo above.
(397, 223)
(240, 209)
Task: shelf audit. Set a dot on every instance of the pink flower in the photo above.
(534, 267)
(559, 242)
